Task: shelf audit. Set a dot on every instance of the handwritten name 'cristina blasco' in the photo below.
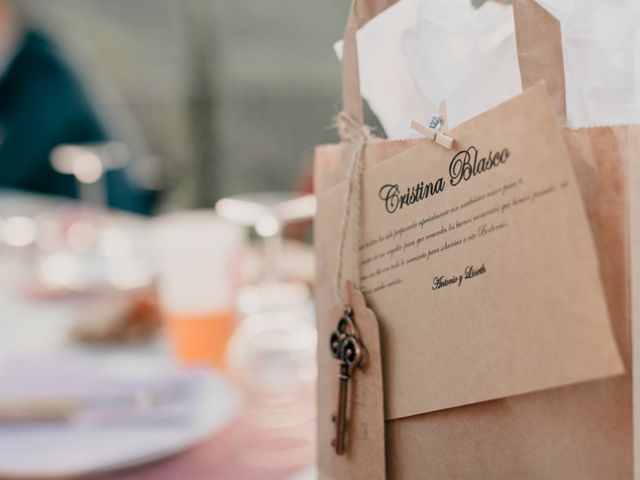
(465, 165)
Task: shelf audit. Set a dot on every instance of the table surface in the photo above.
(250, 448)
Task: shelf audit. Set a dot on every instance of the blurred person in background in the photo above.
(43, 105)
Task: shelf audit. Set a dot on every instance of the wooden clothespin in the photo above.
(438, 129)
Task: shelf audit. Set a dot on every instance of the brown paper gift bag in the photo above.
(576, 432)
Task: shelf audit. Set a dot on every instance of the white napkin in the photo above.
(114, 431)
(108, 397)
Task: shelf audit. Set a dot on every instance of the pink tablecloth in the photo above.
(260, 445)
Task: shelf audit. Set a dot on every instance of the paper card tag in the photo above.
(480, 265)
(365, 447)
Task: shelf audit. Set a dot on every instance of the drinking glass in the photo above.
(86, 246)
(272, 352)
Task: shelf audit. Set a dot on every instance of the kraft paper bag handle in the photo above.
(364, 457)
(538, 41)
(539, 45)
(361, 12)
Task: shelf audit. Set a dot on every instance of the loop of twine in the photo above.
(357, 134)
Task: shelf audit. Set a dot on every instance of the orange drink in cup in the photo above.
(198, 263)
(200, 338)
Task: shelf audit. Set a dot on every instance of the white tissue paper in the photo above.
(385, 80)
(419, 52)
(601, 44)
(463, 55)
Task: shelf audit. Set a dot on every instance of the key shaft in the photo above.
(341, 418)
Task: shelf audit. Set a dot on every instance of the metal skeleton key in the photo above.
(346, 348)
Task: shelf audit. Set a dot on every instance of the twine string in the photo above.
(357, 135)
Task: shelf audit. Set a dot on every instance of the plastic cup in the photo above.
(198, 261)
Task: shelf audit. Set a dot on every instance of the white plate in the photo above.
(65, 450)
(309, 473)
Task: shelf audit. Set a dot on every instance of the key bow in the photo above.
(345, 344)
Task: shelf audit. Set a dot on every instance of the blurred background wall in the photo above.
(218, 96)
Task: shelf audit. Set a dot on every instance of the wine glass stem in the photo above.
(92, 193)
(272, 255)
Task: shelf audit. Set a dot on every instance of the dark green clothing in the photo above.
(42, 105)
